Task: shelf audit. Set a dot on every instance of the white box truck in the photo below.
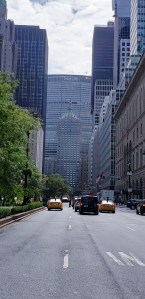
(104, 194)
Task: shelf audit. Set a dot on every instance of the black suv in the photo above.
(140, 209)
(89, 203)
(132, 203)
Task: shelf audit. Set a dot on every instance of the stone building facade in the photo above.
(130, 137)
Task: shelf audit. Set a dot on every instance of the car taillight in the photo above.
(81, 204)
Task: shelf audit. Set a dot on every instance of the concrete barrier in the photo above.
(16, 217)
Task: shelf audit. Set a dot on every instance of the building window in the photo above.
(136, 160)
(141, 156)
(137, 133)
(133, 136)
(133, 163)
(141, 129)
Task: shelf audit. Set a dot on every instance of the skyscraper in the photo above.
(63, 91)
(3, 18)
(137, 32)
(10, 48)
(102, 67)
(69, 148)
(32, 64)
(7, 41)
(121, 10)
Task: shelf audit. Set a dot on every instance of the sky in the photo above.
(69, 25)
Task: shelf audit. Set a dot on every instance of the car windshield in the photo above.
(107, 202)
(89, 199)
(55, 200)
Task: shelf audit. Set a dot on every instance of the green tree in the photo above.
(55, 185)
(15, 122)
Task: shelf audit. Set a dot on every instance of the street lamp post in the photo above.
(129, 173)
(26, 172)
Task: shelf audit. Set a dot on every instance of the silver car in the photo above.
(77, 204)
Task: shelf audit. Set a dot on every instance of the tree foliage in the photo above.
(56, 186)
(15, 122)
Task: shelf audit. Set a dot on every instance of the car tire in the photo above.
(75, 210)
(80, 212)
(141, 213)
(137, 212)
(132, 207)
(48, 209)
(113, 212)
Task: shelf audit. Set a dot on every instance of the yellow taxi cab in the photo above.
(55, 203)
(107, 206)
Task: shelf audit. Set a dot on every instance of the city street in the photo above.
(65, 255)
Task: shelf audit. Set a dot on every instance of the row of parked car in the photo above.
(91, 203)
(138, 204)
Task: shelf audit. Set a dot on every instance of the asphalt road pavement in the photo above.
(65, 255)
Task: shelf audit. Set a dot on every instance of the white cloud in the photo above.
(69, 25)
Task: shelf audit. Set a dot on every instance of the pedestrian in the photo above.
(116, 200)
(70, 202)
(119, 200)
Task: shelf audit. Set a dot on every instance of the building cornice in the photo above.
(140, 69)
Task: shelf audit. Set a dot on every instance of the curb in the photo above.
(17, 217)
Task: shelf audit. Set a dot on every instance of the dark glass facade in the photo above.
(137, 33)
(32, 65)
(69, 149)
(102, 57)
(63, 91)
(121, 10)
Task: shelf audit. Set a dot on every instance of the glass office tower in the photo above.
(32, 65)
(66, 91)
(121, 10)
(69, 149)
(102, 66)
(137, 33)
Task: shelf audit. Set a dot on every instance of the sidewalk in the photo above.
(10, 219)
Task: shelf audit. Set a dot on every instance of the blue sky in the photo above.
(69, 25)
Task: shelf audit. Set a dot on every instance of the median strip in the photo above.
(16, 217)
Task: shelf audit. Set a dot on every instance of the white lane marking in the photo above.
(128, 259)
(70, 217)
(69, 227)
(115, 258)
(65, 262)
(131, 229)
